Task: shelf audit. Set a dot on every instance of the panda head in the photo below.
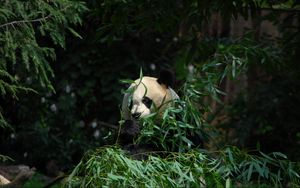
(148, 95)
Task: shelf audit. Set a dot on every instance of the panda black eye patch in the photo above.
(147, 102)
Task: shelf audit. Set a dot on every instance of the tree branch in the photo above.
(24, 21)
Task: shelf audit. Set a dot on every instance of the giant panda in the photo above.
(146, 95)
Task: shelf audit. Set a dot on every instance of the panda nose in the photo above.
(136, 115)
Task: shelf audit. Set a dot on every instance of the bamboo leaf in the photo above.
(250, 170)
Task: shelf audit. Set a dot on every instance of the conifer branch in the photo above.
(29, 21)
(24, 21)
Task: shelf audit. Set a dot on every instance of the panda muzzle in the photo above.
(136, 115)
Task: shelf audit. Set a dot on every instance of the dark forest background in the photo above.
(61, 69)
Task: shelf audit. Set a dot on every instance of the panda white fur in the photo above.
(149, 95)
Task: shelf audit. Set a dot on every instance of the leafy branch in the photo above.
(24, 21)
(21, 53)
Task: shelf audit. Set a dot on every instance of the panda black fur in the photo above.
(148, 95)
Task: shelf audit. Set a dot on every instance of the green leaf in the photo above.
(115, 177)
(250, 170)
(141, 73)
(228, 183)
(74, 32)
(275, 154)
(259, 169)
(266, 156)
(127, 81)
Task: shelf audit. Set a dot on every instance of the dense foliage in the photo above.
(229, 167)
(23, 55)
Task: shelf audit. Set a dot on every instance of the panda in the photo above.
(146, 95)
(149, 94)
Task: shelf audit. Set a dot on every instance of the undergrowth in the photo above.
(229, 167)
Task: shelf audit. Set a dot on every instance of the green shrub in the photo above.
(229, 167)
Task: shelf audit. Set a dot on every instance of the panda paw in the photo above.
(131, 127)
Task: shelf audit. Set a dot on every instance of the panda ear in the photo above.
(166, 77)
